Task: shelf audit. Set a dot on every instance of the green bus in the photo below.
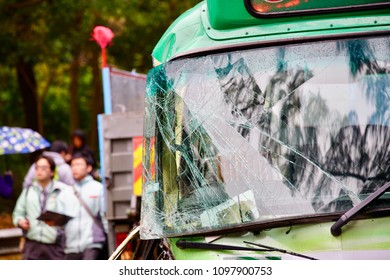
(267, 132)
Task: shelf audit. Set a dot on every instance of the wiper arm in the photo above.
(281, 250)
(184, 244)
(345, 218)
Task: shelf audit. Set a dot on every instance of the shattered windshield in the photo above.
(270, 133)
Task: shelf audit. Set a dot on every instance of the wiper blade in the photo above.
(345, 218)
(281, 250)
(184, 244)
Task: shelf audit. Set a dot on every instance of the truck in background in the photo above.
(120, 147)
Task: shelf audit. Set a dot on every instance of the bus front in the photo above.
(270, 131)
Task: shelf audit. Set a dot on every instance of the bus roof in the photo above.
(213, 25)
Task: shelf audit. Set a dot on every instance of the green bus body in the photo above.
(215, 25)
(267, 128)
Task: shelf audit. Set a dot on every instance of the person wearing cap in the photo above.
(78, 145)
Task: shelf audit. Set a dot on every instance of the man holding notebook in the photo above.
(43, 239)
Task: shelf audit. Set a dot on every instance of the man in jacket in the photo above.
(58, 151)
(43, 242)
(85, 232)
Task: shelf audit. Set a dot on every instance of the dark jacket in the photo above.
(6, 184)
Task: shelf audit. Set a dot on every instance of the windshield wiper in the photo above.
(281, 250)
(184, 244)
(345, 218)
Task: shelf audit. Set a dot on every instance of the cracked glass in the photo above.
(255, 135)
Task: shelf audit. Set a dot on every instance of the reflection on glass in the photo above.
(264, 134)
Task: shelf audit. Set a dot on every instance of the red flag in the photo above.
(103, 36)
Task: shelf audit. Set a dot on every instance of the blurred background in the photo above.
(50, 68)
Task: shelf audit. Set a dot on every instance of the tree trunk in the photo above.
(97, 97)
(42, 96)
(28, 90)
(40, 115)
(73, 92)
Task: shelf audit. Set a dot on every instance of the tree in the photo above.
(48, 44)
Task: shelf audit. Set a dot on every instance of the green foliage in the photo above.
(49, 35)
(10, 101)
(51, 32)
(139, 28)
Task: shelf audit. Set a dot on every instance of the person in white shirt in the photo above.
(86, 231)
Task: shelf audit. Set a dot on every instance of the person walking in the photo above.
(58, 151)
(86, 231)
(43, 242)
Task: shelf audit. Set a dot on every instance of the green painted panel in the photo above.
(362, 239)
(214, 25)
(269, 7)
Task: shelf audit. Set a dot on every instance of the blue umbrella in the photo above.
(16, 140)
